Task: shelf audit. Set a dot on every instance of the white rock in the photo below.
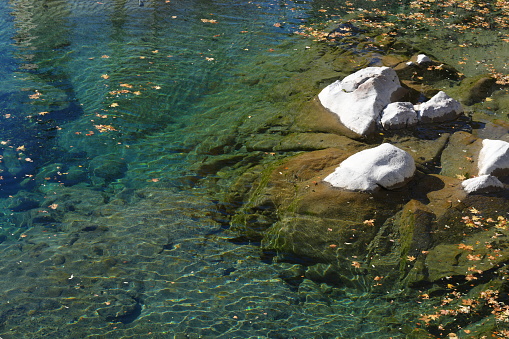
(494, 157)
(440, 107)
(384, 166)
(399, 115)
(482, 184)
(423, 58)
(359, 99)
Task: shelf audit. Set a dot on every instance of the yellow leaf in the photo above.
(114, 104)
(210, 21)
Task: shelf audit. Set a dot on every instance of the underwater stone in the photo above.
(439, 108)
(399, 115)
(494, 158)
(359, 98)
(384, 166)
(108, 167)
(482, 184)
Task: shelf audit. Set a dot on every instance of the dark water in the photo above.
(106, 231)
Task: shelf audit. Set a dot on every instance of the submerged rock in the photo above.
(385, 166)
(482, 184)
(399, 115)
(494, 158)
(439, 108)
(359, 99)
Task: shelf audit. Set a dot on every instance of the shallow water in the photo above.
(107, 228)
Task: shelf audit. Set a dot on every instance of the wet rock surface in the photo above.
(422, 237)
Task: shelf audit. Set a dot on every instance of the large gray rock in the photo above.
(399, 115)
(494, 158)
(439, 108)
(482, 184)
(359, 99)
(384, 166)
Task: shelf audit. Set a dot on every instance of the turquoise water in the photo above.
(111, 226)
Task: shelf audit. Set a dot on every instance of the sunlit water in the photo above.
(104, 230)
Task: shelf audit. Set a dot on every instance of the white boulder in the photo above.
(440, 107)
(482, 184)
(398, 115)
(384, 166)
(359, 99)
(423, 58)
(494, 157)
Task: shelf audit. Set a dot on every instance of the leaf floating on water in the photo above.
(465, 247)
(369, 222)
(126, 85)
(210, 21)
(209, 59)
(105, 76)
(137, 93)
(36, 95)
(474, 210)
(105, 128)
(114, 104)
(105, 56)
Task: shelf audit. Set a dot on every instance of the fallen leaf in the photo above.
(105, 76)
(369, 222)
(465, 247)
(210, 21)
(114, 104)
(105, 128)
(474, 210)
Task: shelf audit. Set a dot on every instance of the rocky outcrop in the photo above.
(482, 184)
(494, 158)
(384, 166)
(366, 99)
(398, 115)
(359, 99)
(439, 108)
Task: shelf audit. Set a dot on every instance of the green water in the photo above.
(121, 129)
